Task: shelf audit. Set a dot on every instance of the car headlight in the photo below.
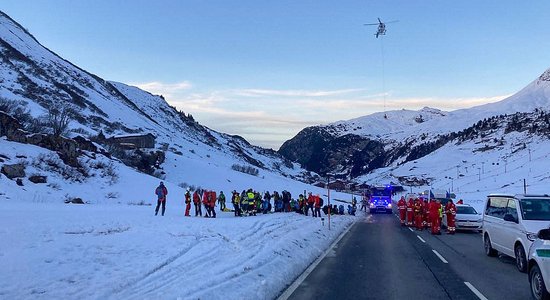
(531, 236)
(372, 205)
(389, 205)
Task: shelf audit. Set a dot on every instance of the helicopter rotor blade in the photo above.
(395, 21)
(370, 24)
(379, 21)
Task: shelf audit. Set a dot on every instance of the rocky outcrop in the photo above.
(317, 150)
(10, 127)
(38, 179)
(68, 149)
(14, 171)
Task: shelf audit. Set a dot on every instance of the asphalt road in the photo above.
(380, 259)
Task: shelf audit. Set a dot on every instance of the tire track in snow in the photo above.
(158, 268)
(179, 272)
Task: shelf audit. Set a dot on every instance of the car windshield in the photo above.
(535, 209)
(466, 210)
(378, 193)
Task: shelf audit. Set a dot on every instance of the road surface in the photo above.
(380, 259)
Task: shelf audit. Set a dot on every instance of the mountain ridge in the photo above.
(406, 135)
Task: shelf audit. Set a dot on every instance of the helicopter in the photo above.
(381, 27)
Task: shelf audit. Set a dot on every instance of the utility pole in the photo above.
(524, 186)
(482, 167)
(328, 196)
(479, 174)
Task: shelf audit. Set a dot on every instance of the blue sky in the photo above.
(267, 69)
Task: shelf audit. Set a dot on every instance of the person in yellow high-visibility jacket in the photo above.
(251, 202)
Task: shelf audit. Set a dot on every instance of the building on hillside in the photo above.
(137, 141)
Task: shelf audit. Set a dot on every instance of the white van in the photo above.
(511, 224)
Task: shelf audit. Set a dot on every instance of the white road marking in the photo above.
(478, 293)
(440, 257)
(423, 241)
(411, 229)
(286, 294)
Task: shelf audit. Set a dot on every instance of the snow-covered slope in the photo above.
(396, 137)
(112, 246)
(38, 79)
(400, 124)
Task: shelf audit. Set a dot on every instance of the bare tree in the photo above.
(58, 118)
(7, 106)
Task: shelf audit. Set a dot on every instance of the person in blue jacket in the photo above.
(341, 209)
(351, 210)
(265, 205)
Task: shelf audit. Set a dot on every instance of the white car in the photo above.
(467, 218)
(511, 224)
(539, 266)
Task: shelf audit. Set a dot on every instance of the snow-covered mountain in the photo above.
(368, 146)
(35, 83)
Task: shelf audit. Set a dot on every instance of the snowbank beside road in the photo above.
(125, 252)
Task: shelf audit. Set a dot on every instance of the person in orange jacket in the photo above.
(402, 207)
(318, 204)
(187, 203)
(426, 222)
(206, 203)
(212, 203)
(434, 208)
(450, 210)
(418, 214)
(310, 202)
(410, 212)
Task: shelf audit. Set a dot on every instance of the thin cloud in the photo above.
(167, 89)
(268, 117)
(292, 93)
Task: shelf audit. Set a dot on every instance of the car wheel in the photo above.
(521, 259)
(538, 289)
(489, 251)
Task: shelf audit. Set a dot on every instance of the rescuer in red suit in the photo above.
(434, 208)
(418, 214)
(426, 221)
(410, 212)
(450, 210)
(402, 207)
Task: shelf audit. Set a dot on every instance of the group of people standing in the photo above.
(422, 214)
(250, 203)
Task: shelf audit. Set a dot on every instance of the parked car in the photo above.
(467, 218)
(539, 266)
(511, 224)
